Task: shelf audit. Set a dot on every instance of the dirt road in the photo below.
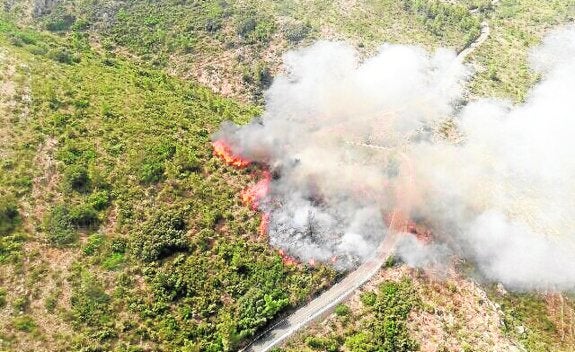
(326, 302)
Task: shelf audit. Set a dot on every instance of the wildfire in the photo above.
(224, 151)
(286, 259)
(264, 224)
(400, 223)
(253, 195)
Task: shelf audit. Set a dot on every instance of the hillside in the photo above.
(119, 228)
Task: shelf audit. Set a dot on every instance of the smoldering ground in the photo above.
(351, 141)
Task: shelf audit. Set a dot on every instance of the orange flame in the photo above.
(286, 259)
(264, 224)
(224, 151)
(398, 222)
(252, 196)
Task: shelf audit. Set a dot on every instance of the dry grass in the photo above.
(455, 314)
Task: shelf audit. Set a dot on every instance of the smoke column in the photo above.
(348, 140)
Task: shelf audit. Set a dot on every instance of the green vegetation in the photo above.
(440, 17)
(161, 236)
(24, 323)
(2, 297)
(526, 318)
(380, 325)
(113, 211)
(388, 330)
(163, 253)
(515, 27)
(9, 215)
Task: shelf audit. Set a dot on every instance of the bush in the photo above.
(10, 247)
(2, 298)
(9, 216)
(76, 178)
(60, 23)
(257, 307)
(90, 303)
(255, 29)
(296, 32)
(387, 331)
(119, 245)
(322, 344)
(161, 236)
(246, 26)
(259, 75)
(24, 323)
(342, 310)
(368, 298)
(84, 216)
(185, 162)
(99, 200)
(94, 243)
(153, 166)
(63, 56)
(113, 261)
(59, 227)
(151, 171)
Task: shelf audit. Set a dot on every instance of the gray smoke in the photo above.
(349, 141)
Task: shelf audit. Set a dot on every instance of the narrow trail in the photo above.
(324, 304)
(483, 35)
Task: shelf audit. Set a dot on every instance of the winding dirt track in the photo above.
(327, 301)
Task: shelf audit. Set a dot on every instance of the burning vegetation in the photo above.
(224, 151)
(358, 142)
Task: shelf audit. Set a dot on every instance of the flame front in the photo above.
(253, 195)
(264, 224)
(286, 259)
(224, 151)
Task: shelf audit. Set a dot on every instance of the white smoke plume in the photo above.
(348, 141)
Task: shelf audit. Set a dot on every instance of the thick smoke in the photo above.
(349, 142)
(505, 197)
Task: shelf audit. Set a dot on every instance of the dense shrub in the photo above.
(161, 236)
(258, 75)
(296, 32)
(153, 165)
(9, 216)
(99, 200)
(62, 55)
(59, 228)
(24, 323)
(83, 216)
(254, 28)
(151, 171)
(2, 297)
(439, 15)
(90, 303)
(246, 25)
(185, 162)
(322, 344)
(10, 247)
(387, 332)
(60, 23)
(76, 178)
(93, 244)
(342, 310)
(256, 307)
